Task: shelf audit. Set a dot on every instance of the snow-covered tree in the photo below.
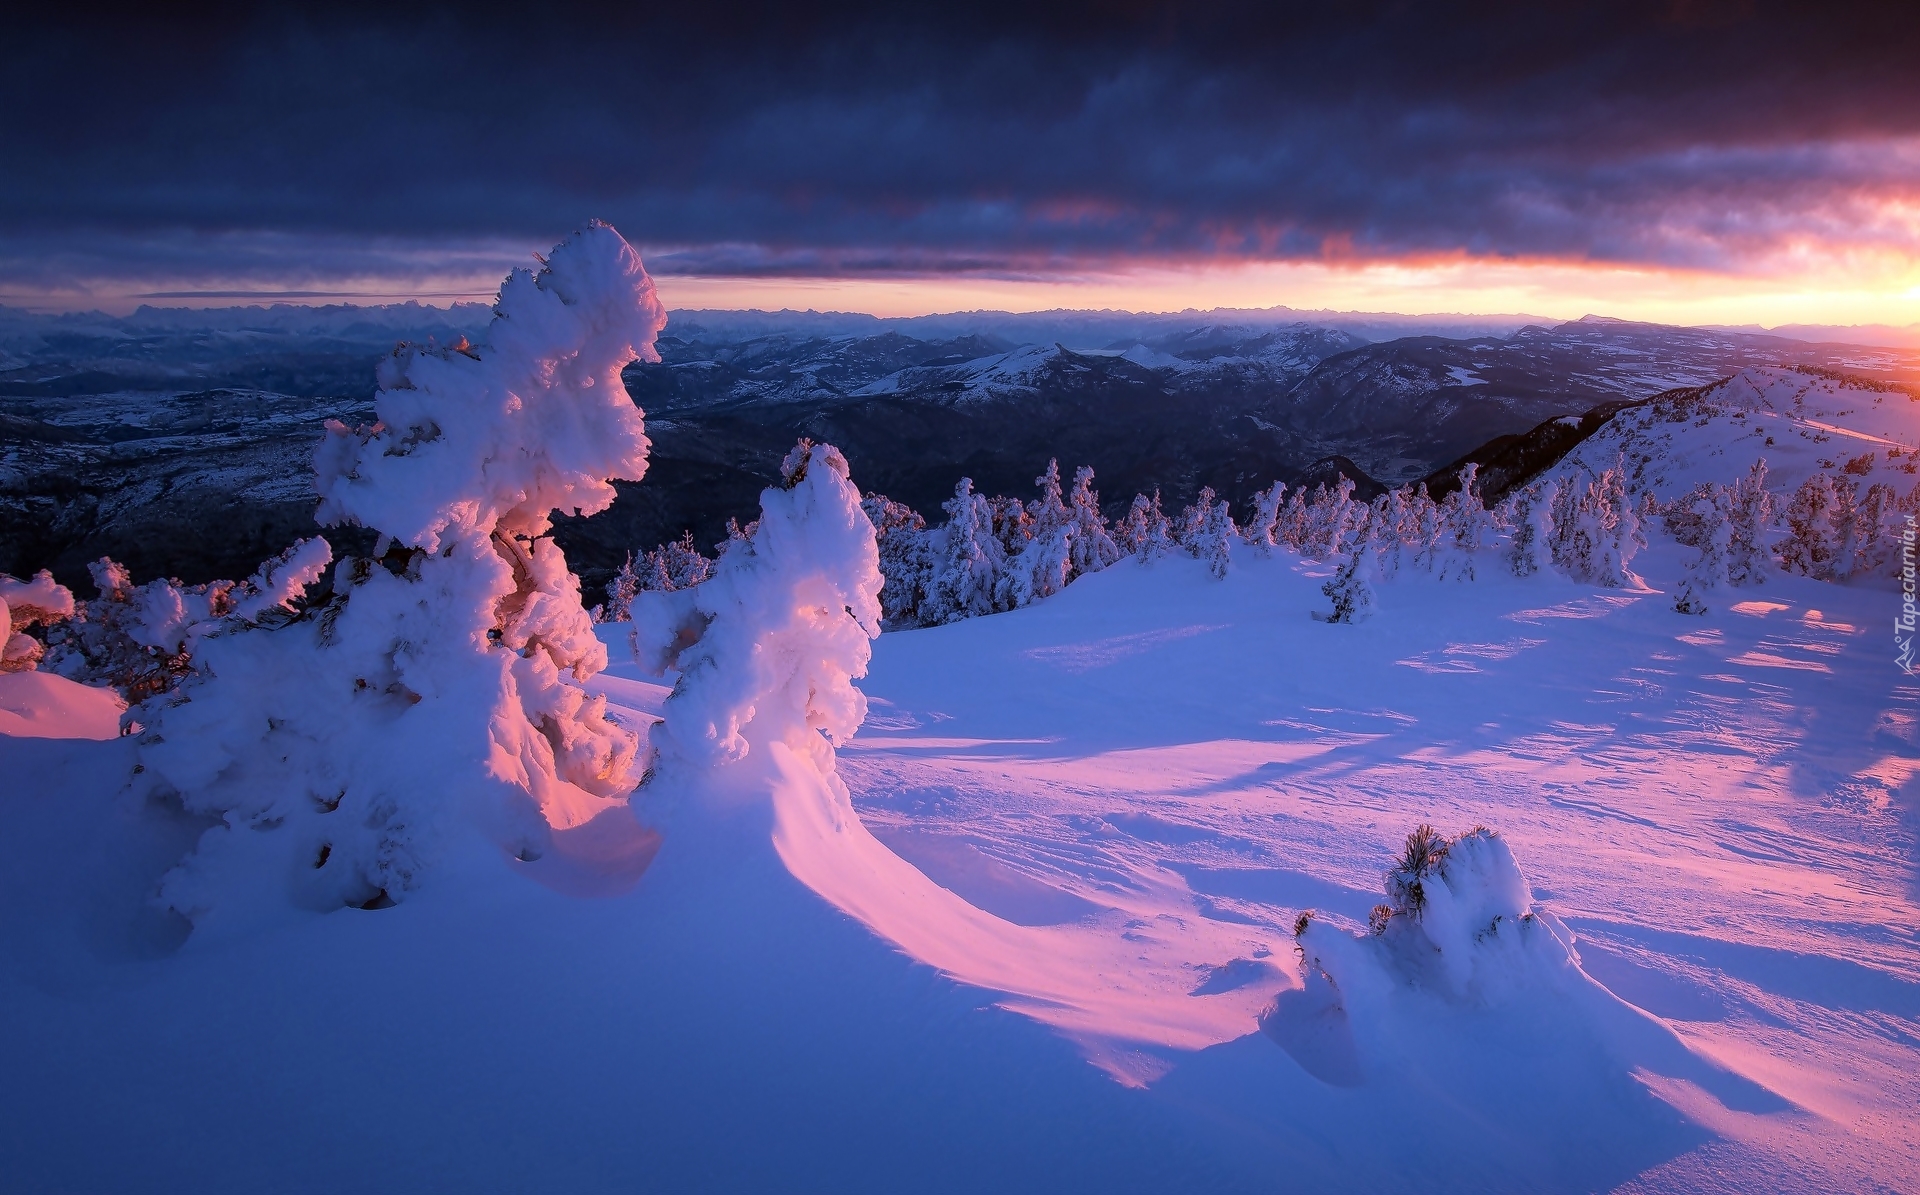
(1262, 533)
(1595, 530)
(1426, 535)
(1467, 528)
(769, 646)
(1531, 513)
(1749, 506)
(1876, 536)
(1351, 589)
(23, 604)
(1332, 521)
(1296, 522)
(1044, 564)
(1093, 547)
(620, 593)
(970, 562)
(1144, 532)
(1207, 532)
(1714, 538)
(906, 558)
(432, 705)
(1813, 529)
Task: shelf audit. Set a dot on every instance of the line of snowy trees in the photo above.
(993, 554)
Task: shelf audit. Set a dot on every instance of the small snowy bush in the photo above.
(1458, 922)
(22, 604)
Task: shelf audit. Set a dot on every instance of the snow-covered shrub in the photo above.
(906, 558)
(1207, 532)
(675, 565)
(769, 646)
(141, 638)
(22, 604)
(432, 704)
(1458, 922)
(1144, 531)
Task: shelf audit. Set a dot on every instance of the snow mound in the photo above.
(1458, 972)
(40, 705)
(432, 708)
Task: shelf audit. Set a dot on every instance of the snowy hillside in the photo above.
(1352, 847)
(1801, 421)
(1119, 801)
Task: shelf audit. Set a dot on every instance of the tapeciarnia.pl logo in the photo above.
(1903, 625)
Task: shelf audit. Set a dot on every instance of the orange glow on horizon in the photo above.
(1801, 282)
(1865, 288)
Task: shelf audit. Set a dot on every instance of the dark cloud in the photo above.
(1014, 140)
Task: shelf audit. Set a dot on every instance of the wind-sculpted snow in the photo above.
(534, 420)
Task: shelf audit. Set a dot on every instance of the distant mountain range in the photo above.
(178, 442)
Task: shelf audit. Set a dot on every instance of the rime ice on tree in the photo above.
(436, 695)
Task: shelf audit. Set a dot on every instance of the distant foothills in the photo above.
(178, 441)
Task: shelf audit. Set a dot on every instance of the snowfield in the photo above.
(1222, 868)
(1113, 804)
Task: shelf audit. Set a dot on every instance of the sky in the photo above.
(1689, 161)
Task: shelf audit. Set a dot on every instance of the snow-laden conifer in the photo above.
(1207, 532)
(1296, 521)
(1530, 550)
(1263, 532)
(433, 705)
(969, 563)
(1144, 531)
(1093, 547)
(1351, 589)
(1468, 528)
(1815, 525)
(768, 647)
(1749, 506)
(906, 558)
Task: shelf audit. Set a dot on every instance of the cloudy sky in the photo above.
(1689, 160)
